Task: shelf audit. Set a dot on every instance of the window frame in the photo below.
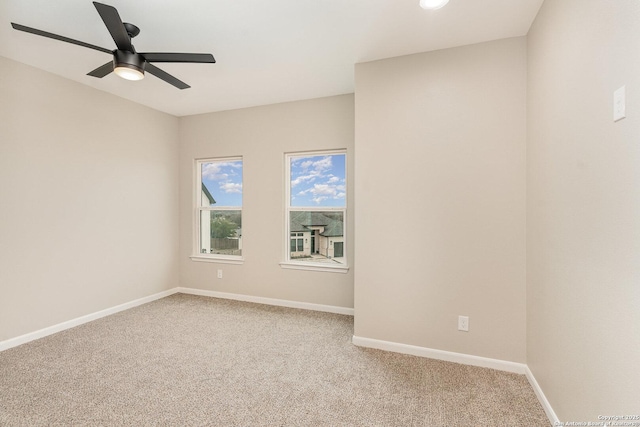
(289, 263)
(196, 255)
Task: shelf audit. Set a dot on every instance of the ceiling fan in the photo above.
(127, 63)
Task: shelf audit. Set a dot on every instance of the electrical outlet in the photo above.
(463, 323)
(219, 274)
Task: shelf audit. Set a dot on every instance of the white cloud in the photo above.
(321, 192)
(319, 199)
(307, 163)
(323, 189)
(323, 164)
(213, 171)
(302, 179)
(315, 180)
(231, 187)
(318, 169)
(219, 171)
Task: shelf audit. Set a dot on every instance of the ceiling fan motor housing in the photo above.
(132, 30)
(122, 58)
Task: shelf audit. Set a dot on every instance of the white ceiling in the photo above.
(266, 51)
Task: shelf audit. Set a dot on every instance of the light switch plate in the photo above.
(619, 104)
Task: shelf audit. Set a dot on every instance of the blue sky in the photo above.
(223, 179)
(318, 181)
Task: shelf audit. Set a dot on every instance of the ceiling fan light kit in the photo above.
(123, 70)
(127, 63)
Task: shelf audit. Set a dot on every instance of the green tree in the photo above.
(222, 228)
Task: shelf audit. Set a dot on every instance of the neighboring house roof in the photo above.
(303, 221)
(333, 229)
(296, 226)
(212, 201)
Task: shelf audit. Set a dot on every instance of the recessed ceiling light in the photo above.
(432, 4)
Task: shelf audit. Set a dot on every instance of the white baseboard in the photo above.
(31, 336)
(542, 398)
(269, 301)
(465, 359)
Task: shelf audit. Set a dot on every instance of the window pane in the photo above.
(221, 183)
(318, 180)
(322, 236)
(221, 232)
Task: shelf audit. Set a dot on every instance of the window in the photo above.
(218, 212)
(297, 243)
(316, 210)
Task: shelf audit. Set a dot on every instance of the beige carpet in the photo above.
(195, 361)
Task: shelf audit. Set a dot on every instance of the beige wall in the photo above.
(583, 213)
(88, 195)
(262, 136)
(478, 169)
(440, 199)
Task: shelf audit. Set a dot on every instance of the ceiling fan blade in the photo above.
(114, 24)
(102, 70)
(203, 58)
(163, 75)
(57, 37)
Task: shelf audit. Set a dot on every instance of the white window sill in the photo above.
(290, 265)
(220, 259)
